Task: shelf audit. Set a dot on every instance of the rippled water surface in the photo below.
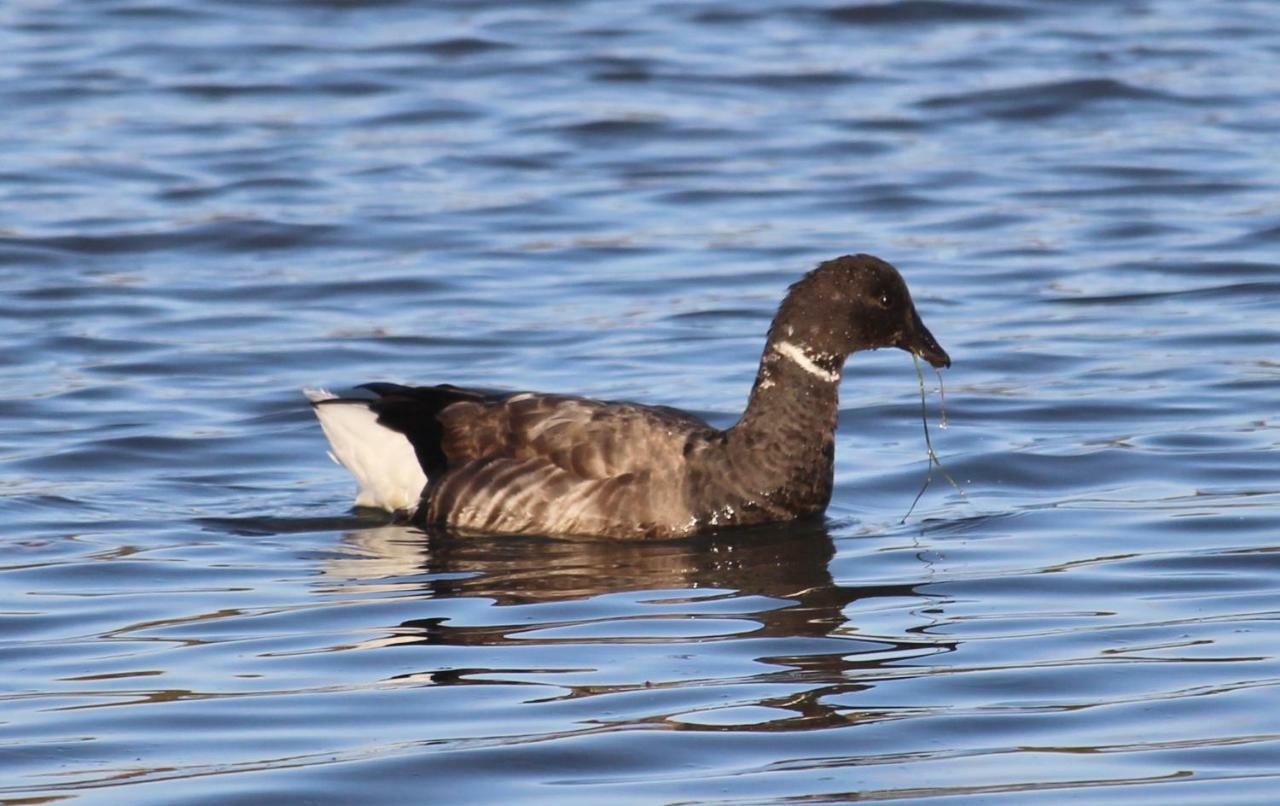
(207, 206)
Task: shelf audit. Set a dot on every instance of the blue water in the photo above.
(206, 206)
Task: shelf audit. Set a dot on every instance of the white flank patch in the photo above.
(316, 395)
(790, 351)
(382, 460)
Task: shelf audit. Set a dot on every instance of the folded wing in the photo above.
(552, 463)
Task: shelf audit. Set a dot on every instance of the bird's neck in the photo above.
(786, 437)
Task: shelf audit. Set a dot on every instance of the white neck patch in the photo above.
(797, 354)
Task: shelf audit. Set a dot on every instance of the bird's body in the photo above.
(557, 464)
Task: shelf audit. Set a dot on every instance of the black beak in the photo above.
(918, 340)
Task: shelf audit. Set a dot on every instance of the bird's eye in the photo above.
(884, 300)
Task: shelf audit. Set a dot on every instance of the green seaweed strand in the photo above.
(928, 442)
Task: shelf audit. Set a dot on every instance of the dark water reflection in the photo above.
(560, 607)
(782, 569)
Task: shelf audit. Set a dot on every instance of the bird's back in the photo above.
(553, 464)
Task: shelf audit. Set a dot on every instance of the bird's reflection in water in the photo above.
(775, 578)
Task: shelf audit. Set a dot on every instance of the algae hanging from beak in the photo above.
(928, 441)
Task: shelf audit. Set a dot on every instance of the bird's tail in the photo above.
(382, 459)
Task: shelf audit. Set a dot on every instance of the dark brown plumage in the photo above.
(556, 464)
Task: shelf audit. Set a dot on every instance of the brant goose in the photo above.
(556, 464)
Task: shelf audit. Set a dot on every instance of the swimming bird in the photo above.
(525, 462)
